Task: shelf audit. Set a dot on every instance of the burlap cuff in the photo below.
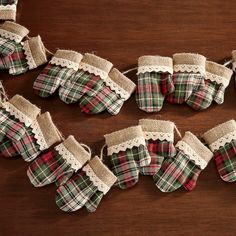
(8, 12)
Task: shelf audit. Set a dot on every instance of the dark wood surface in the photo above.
(121, 31)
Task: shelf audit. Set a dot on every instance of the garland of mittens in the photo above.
(97, 86)
(145, 149)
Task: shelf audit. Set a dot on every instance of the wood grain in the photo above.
(121, 31)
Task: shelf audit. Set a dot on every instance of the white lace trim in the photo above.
(143, 69)
(9, 35)
(64, 63)
(223, 140)
(93, 70)
(11, 7)
(159, 136)
(39, 136)
(115, 87)
(29, 57)
(17, 114)
(136, 142)
(192, 155)
(189, 68)
(96, 181)
(218, 79)
(68, 156)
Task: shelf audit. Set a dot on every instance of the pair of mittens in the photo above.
(222, 142)
(59, 164)
(8, 9)
(127, 153)
(15, 116)
(154, 82)
(184, 169)
(217, 79)
(188, 76)
(39, 136)
(11, 35)
(159, 137)
(85, 188)
(61, 67)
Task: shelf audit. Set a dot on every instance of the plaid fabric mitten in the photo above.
(127, 152)
(15, 115)
(86, 188)
(159, 136)
(8, 9)
(222, 141)
(87, 80)
(188, 76)
(216, 80)
(183, 169)
(61, 67)
(11, 34)
(28, 55)
(58, 165)
(113, 92)
(154, 82)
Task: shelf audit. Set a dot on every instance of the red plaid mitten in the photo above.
(8, 9)
(11, 34)
(59, 164)
(15, 115)
(27, 56)
(62, 67)
(86, 188)
(154, 82)
(87, 80)
(189, 71)
(127, 152)
(184, 169)
(114, 91)
(216, 80)
(159, 136)
(222, 141)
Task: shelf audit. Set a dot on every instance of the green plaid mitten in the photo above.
(184, 169)
(154, 82)
(8, 9)
(216, 80)
(86, 188)
(127, 152)
(159, 137)
(62, 67)
(222, 141)
(188, 76)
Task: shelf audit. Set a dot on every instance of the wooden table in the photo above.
(121, 31)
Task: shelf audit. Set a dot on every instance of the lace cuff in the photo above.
(190, 69)
(8, 12)
(159, 136)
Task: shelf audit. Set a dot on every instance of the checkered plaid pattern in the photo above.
(167, 84)
(225, 160)
(4, 63)
(185, 84)
(7, 46)
(158, 150)
(105, 99)
(50, 79)
(78, 85)
(7, 148)
(17, 61)
(191, 181)
(49, 168)
(76, 192)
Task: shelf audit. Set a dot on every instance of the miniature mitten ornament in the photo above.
(217, 78)
(183, 169)
(27, 56)
(159, 136)
(127, 152)
(87, 80)
(114, 91)
(59, 164)
(8, 9)
(86, 188)
(61, 67)
(15, 115)
(188, 76)
(222, 142)
(154, 82)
